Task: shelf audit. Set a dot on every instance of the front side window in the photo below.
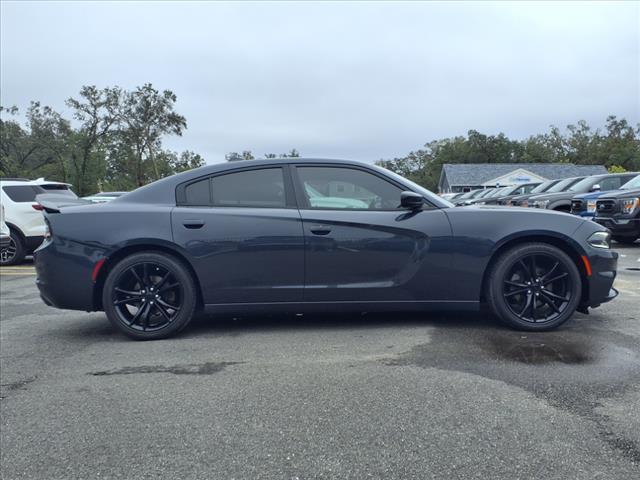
(249, 188)
(611, 183)
(347, 188)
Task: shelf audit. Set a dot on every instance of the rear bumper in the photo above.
(620, 226)
(63, 275)
(604, 265)
(33, 242)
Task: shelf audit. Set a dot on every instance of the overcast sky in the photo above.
(361, 80)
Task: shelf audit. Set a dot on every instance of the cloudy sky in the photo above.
(360, 80)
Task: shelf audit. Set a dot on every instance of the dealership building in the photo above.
(462, 177)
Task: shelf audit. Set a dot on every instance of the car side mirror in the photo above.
(595, 188)
(411, 200)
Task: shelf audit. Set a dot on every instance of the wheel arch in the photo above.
(564, 243)
(114, 258)
(16, 229)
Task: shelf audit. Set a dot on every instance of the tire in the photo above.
(15, 252)
(626, 240)
(554, 289)
(167, 304)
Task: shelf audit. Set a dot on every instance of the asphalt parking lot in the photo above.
(374, 396)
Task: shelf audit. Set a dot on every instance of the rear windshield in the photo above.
(22, 193)
(58, 188)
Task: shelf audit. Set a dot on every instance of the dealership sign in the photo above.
(516, 177)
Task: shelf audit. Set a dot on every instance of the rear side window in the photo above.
(250, 188)
(22, 193)
(197, 193)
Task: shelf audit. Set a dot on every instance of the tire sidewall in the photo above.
(20, 249)
(181, 273)
(504, 264)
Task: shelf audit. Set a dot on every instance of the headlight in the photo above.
(600, 240)
(542, 203)
(628, 205)
(591, 206)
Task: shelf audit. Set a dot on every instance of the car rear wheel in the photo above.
(149, 296)
(13, 253)
(534, 287)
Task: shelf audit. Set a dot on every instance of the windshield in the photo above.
(633, 183)
(419, 189)
(499, 191)
(584, 184)
(563, 185)
(468, 194)
(544, 186)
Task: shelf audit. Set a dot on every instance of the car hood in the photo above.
(621, 193)
(552, 196)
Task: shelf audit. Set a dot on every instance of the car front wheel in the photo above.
(534, 287)
(149, 296)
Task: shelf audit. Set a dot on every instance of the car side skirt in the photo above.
(343, 306)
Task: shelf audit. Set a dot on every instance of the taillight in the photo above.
(47, 229)
(37, 206)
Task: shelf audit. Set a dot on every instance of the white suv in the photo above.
(23, 215)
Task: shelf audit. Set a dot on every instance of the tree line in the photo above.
(113, 143)
(617, 147)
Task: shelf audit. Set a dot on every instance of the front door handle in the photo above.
(320, 229)
(193, 224)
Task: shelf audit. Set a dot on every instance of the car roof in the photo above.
(161, 191)
(24, 181)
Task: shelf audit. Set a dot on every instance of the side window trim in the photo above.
(181, 200)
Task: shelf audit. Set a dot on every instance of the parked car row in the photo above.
(22, 228)
(613, 200)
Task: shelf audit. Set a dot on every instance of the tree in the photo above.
(18, 150)
(97, 112)
(235, 156)
(144, 116)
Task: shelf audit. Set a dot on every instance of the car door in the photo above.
(244, 234)
(360, 246)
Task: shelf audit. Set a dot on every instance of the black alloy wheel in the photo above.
(149, 296)
(534, 287)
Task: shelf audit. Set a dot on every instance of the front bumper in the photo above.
(4, 241)
(620, 226)
(599, 284)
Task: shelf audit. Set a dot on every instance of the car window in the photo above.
(348, 188)
(563, 185)
(543, 187)
(22, 193)
(198, 193)
(249, 188)
(611, 183)
(58, 188)
(632, 184)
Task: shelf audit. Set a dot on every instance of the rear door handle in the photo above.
(193, 224)
(320, 229)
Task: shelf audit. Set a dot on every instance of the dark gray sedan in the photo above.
(313, 235)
